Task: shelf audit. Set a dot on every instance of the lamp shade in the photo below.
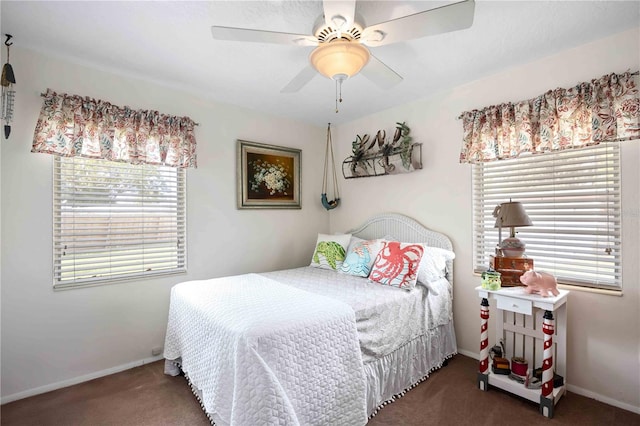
(511, 214)
(339, 59)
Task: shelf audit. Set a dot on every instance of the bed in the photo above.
(312, 345)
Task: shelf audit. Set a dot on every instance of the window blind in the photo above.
(116, 221)
(573, 200)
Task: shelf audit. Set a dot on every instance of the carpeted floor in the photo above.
(145, 396)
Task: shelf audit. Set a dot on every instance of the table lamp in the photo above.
(511, 214)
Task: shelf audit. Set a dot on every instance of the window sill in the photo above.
(120, 280)
(604, 291)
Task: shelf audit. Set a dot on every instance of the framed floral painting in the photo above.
(268, 176)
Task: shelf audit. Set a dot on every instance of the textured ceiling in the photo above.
(170, 42)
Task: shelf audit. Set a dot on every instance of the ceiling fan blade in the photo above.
(339, 13)
(259, 36)
(380, 74)
(452, 17)
(300, 80)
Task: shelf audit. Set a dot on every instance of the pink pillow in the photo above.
(397, 264)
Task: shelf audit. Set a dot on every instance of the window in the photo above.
(573, 200)
(116, 221)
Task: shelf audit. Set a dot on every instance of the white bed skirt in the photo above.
(392, 375)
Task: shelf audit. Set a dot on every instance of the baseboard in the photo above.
(609, 401)
(76, 380)
(577, 390)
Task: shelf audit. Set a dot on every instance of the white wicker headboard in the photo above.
(403, 228)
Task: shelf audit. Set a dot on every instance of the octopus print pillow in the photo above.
(330, 251)
(360, 257)
(397, 264)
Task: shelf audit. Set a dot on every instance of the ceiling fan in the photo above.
(341, 40)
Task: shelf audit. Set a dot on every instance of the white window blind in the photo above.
(573, 200)
(116, 221)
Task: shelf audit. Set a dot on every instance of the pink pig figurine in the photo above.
(540, 282)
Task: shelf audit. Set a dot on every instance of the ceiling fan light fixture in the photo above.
(339, 58)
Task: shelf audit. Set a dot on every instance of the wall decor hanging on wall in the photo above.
(268, 176)
(326, 203)
(8, 94)
(380, 156)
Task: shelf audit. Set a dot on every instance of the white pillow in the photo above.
(330, 251)
(433, 264)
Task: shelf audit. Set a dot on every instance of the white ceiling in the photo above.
(170, 42)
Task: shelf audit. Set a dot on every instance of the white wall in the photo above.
(51, 338)
(603, 331)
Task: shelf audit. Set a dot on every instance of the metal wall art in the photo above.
(381, 156)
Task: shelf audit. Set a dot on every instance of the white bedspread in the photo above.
(262, 352)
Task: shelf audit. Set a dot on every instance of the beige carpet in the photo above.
(145, 396)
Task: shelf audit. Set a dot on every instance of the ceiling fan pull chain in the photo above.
(338, 81)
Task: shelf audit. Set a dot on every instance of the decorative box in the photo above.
(511, 269)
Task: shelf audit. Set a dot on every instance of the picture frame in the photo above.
(268, 176)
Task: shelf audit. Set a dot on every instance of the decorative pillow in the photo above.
(397, 264)
(354, 240)
(433, 265)
(330, 251)
(360, 257)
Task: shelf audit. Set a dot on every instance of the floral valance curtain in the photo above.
(603, 110)
(71, 126)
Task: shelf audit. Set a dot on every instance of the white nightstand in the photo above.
(520, 326)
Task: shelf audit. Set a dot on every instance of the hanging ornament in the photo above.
(8, 94)
(329, 205)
